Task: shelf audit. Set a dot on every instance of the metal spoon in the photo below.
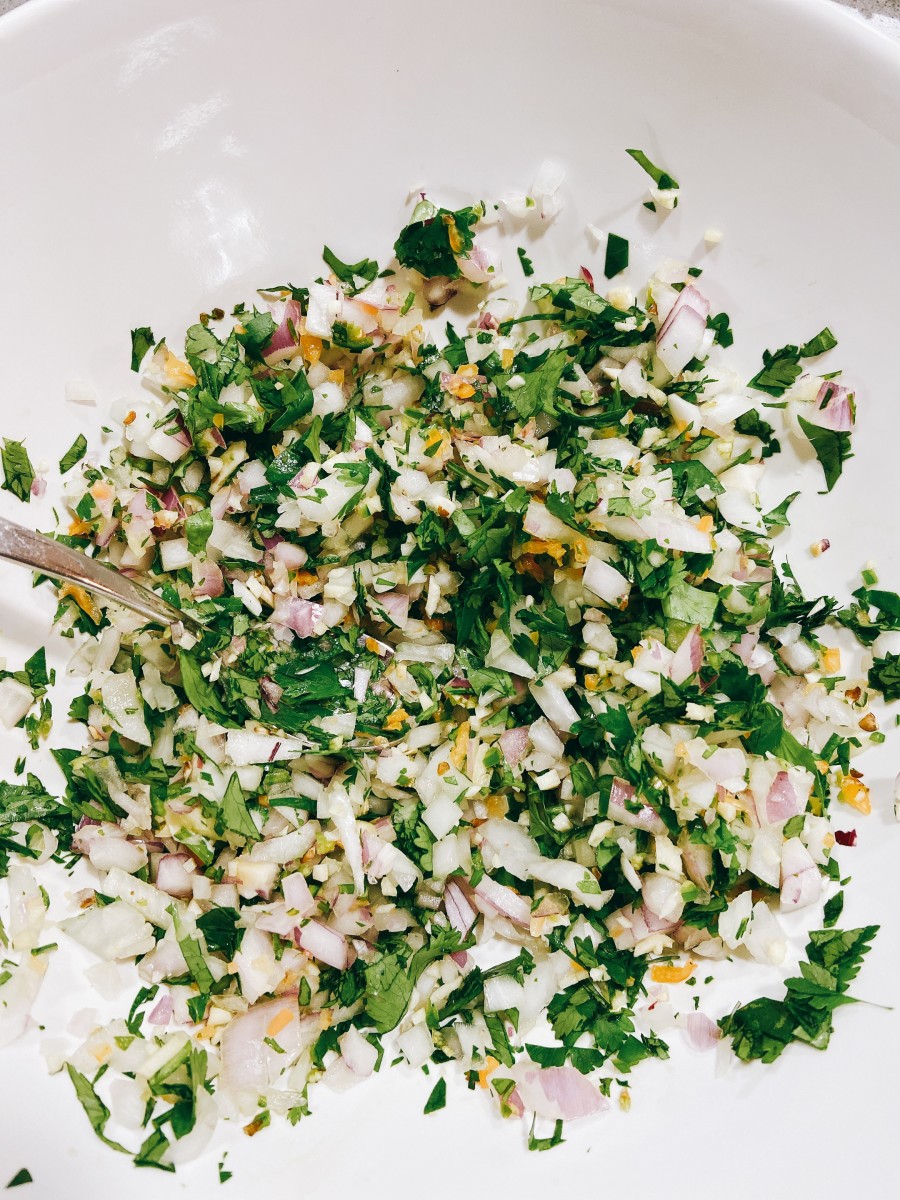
(31, 549)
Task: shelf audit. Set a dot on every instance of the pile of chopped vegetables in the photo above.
(504, 721)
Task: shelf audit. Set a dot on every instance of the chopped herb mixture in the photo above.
(504, 714)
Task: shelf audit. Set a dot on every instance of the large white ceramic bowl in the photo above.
(157, 158)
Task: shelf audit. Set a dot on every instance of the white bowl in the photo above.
(160, 158)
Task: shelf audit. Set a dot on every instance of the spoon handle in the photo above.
(60, 561)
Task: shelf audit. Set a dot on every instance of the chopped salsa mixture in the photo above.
(507, 722)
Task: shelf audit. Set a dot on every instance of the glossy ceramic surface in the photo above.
(160, 158)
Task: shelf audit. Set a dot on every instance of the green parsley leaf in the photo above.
(777, 518)
(28, 801)
(438, 1097)
(781, 368)
(616, 255)
(18, 473)
(200, 691)
(390, 979)
(753, 425)
(97, 1112)
(235, 814)
(365, 269)
(74, 454)
(819, 344)
(690, 605)
(723, 332)
(763, 1028)
(688, 478)
(860, 619)
(884, 674)
(556, 1138)
(833, 909)
(20, 1177)
(832, 450)
(527, 268)
(141, 341)
(431, 243)
(193, 956)
(661, 178)
(538, 392)
(221, 931)
(197, 530)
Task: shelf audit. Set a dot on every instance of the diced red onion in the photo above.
(495, 897)
(297, 895)
(212, 581)
(38, 486)
(682, 339)
(396, 605)
(162, 1012)
(605, 581)
(460, 912)
(477, 265)
(283, 343)
(271, 692)
(662, 898)
(220, 503)
(587, 277)
(801, 882)
(557, 1093)
(845, 837)
(783, 801)
(689, 297)
(293, 557)
(747, 644)
(107, 528)
(688, 658)
(645, 818)
(513, 743)
(358, 1053)
(703, 1033)
(300, 616)
(324, 944)
(137, 506)
(833, 408)
(799, 657)
(172, 501)
(697, 859)
(173, 877)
